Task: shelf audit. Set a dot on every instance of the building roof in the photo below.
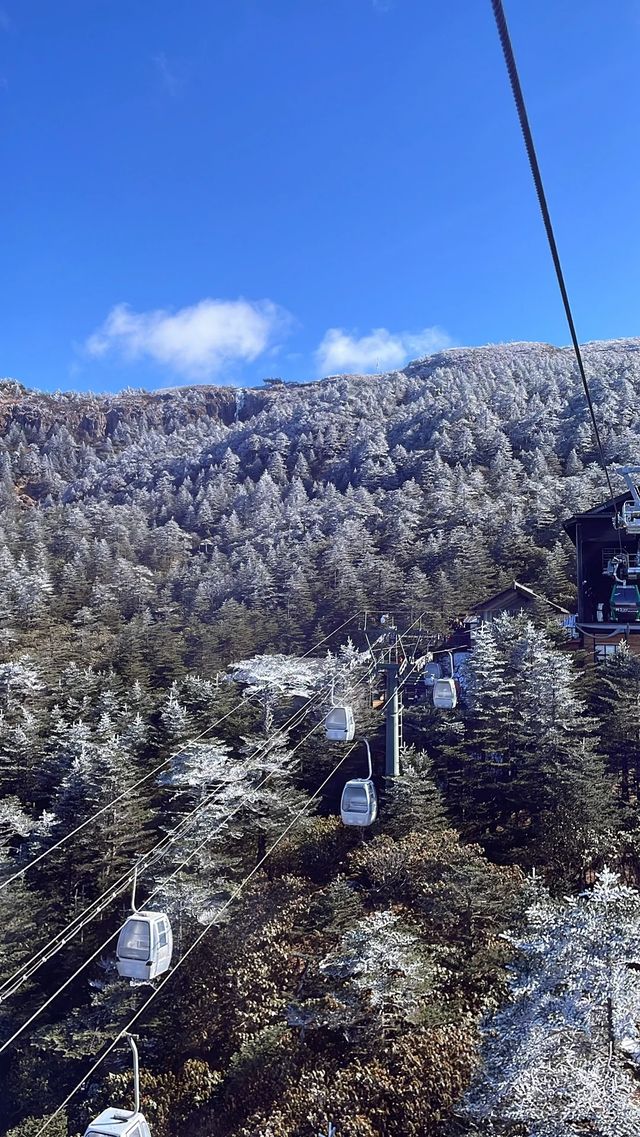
(515, 589)
(601, 512)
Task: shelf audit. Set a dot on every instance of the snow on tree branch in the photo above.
(561, 1057)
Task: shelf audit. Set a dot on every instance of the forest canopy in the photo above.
(168, 559)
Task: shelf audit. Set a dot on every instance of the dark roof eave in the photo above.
(596, 513)
(516, 588)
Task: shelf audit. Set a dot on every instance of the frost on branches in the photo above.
(289, 675)
(282, 675)
(563, 1057)
(381, 968)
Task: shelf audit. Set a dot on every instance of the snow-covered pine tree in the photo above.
(563, 1056)
(413, 801)
(377, 979)
(525, 776)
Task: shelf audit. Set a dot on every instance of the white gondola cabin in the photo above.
(145, 946)
(359, 803)
(119, 1123)
(445, 694)
(340, 724)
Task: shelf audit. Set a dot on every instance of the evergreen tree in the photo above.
(559, 1059)
(529, 781)
(381, 977)
(413, 801)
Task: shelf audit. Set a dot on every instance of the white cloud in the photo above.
(380, 350)
(196, 342)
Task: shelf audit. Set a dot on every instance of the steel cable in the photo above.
(516, 88)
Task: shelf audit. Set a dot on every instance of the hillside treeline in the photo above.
(211, 523)
(351, 978)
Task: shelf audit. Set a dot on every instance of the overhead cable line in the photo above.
(234, 895)
(20, 1030)
(514, 78)
(146, 860)
(125, 793)
(120, 797)
(36, 1014)
(236, 892)
(66, 934)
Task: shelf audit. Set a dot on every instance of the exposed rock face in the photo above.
(537, 369)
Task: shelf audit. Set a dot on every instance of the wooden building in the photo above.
(516, 599)
(607, 558)
(513, 600)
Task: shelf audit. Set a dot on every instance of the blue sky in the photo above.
(223, 191)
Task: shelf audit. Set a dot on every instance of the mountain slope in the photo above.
(421, 487)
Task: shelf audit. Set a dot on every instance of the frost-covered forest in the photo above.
(468, 966)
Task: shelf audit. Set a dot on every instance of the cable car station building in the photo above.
(608, 576)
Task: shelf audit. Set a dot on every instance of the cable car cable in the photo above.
(119, 887)
(514, 79)
(31, 966)
(106, 942)
(110, 804)
(20, 1030)
(66, 934)
(36, 860)
(236, 892)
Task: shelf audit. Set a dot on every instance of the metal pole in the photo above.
(392, 764)
(136, 1072)
(369, 763)
(133, 889)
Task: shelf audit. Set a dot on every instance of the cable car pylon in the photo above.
(395, 655)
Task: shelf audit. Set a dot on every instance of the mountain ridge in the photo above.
(443, 358)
